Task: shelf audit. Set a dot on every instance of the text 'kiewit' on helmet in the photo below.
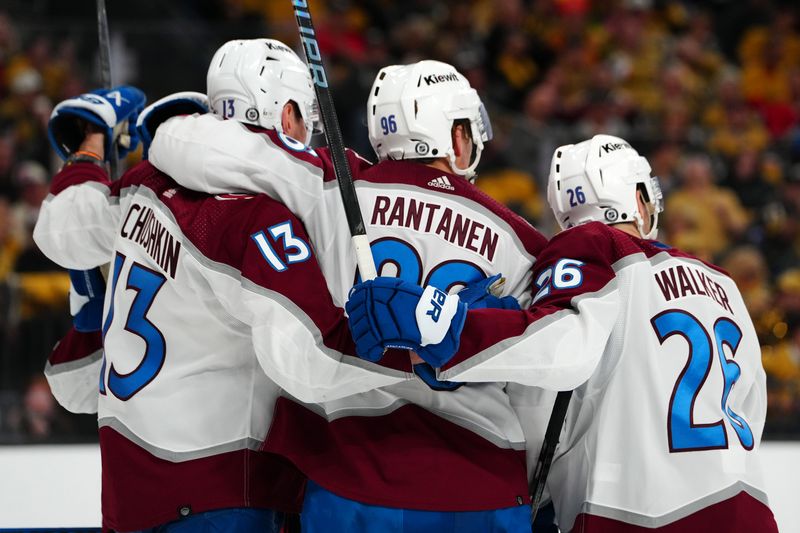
(252, 80)
(597, 180)
(412, 108)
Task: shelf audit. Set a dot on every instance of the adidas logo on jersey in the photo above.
(442, 183)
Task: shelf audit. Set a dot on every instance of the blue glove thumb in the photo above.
(479, 295)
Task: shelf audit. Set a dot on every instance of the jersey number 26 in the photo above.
(683, 433)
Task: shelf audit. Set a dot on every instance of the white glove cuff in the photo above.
(434, 313)
(93, 103)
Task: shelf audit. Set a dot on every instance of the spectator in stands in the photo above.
(536, 133)
(28, 110)
(753, 177)
(747, 267)
(781, 356)
(741, 128)
(33, 186)
(782, 225)
(703, 218)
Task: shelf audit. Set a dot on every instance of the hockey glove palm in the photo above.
(86, 295)
(112, 111)
(392, 313)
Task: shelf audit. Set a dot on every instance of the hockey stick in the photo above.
(105, 71)
(549, 445)
(333, 135)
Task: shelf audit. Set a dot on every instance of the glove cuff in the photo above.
(84, 156)
(434, 314)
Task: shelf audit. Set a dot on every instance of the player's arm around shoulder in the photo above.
(300, 337)
(77, 221)
(208, 154)
(557, 342)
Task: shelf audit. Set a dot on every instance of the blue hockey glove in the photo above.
(183, 103)
(428, 374)
(87, 291)
(392, 313)
(112, 111)
(481, 294)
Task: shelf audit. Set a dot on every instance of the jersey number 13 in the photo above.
(146, 283)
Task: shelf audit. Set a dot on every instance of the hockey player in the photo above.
(204, 292)
(663, 433)
(405, 457)
(73, 368)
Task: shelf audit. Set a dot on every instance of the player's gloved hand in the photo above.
(428, 374)
(112, 111)
(392, 313)
(483, 294)
(86, 294)
(477, 295)
(182, 103)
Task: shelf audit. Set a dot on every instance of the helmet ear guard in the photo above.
(412, 110)
(597, 180)
(252, 80)
(654, 202)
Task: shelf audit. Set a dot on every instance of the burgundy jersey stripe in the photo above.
(425, 462)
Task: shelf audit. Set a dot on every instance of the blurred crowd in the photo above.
(708, 91)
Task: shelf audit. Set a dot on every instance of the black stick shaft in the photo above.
(105, 69)
(333, 135)
(549, 445)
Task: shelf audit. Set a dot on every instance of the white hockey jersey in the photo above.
(438, 217)
(403, 445)
(664, 434)
(73, 370)
(208, 297)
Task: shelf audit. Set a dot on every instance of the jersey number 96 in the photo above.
(408, 265)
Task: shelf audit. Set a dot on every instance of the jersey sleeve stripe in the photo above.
(77, 174)
(558, 350)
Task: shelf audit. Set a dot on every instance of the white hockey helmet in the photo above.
(597, 180)
(411, 110)
(252, 80)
